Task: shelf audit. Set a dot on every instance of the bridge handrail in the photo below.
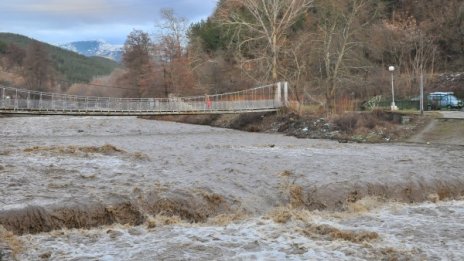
(122, 98)
(266, 97)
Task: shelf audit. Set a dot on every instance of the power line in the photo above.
(97, 85)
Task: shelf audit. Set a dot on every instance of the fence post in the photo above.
(16, 100)
(28, 100)
(285, 93)
(421, 104)
(3, 98)
(278, 95)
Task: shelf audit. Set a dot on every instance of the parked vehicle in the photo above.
(443, 100)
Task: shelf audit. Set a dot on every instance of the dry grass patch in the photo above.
(333, 233)
(213, 198)
(226, 219)
(434, 197)
(294, 193)
(296, 196)
(140, 156)
(364, 205)
(286, 173)
(284, 214)
(5, 152)
(162, 220)
(280, 215)
(106, 149)
(11, 240)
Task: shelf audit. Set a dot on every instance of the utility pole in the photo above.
(393, 105)
(422, 93)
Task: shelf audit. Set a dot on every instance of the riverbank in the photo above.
(360, 127)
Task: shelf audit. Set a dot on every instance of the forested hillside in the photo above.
(45, 66)
(331, 51)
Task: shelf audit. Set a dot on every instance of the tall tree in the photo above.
(171, 54)
(340, 24)
(37, 68)
(261, 30)
(136, 59)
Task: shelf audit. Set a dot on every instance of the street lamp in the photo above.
(393, 106)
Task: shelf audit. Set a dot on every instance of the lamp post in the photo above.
(393, 105)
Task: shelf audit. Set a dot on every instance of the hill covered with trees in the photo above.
(44, 66)
(330, 50)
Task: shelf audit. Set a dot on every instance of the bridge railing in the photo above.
(266, 97)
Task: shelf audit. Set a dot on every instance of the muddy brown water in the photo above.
(88, 171)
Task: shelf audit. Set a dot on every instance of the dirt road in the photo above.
(448, 129)
(452, 114)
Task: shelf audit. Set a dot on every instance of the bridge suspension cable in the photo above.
(260, 99)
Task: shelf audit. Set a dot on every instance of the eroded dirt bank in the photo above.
(84, 172)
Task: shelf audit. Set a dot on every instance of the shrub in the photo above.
(351, 122)
(347, 122)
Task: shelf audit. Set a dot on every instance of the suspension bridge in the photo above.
(260, 99)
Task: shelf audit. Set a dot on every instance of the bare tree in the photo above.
(413, 50)
(172, 33)
(339, 24)
(171, 54)
(261, 30)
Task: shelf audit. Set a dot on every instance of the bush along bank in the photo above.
(363, 127)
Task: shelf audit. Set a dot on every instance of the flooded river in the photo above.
(122, 188)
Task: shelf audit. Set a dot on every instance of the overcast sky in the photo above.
(63, 21)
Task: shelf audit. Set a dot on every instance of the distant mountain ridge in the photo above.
(96, 48)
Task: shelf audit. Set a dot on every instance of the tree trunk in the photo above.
(330, 96)
(274, 58)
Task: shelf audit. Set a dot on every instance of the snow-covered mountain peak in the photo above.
(95, 48)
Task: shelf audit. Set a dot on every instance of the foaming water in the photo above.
(426, 231)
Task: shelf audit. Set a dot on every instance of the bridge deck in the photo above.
(128, 113)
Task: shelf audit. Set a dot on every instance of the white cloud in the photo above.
(63, 7)
(70, 20)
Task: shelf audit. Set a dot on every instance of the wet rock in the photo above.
(45, 255)
(135, 231)
(113, 234)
